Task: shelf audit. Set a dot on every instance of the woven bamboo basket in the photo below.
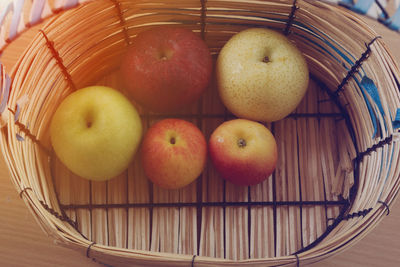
(338, 167)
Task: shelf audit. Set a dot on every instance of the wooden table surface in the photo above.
(23, 243)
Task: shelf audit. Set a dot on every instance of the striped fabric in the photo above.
(376, 9)
(11, 14)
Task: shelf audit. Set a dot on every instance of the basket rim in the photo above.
(35, 205)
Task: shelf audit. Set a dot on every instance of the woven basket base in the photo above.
(284, 214)
(325, 150)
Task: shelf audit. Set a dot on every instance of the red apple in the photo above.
(243, 152)
(173, 153)
(167, 68)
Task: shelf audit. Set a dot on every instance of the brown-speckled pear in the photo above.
(261, 75)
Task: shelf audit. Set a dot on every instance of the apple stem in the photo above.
(266, 59)
(241, 142)
(172, 140)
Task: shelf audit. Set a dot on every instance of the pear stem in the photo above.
(241, 142)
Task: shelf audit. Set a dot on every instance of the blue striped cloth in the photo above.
(376, 9)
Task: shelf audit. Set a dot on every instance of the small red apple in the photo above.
(173, 153)
(243, 152)
(167, 68)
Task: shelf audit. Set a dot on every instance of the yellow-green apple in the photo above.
(166, 68)
(243, 152)
(173, 153)
(95, 132)
(261, 75)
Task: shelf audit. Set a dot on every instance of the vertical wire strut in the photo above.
(203, 18)
(122, 21)
(193, 258)
(23, 128)
(61, 216)
(59, 60)
(386, 206)
(356, 66)
(360, 156)
(297, 260)
(292, 16)
(93, 258)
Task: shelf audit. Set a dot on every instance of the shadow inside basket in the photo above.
(292, 210)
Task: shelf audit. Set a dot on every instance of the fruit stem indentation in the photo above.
(266, 59)
(241, 142)
(172, 140)
(89, 119)
(165, 55)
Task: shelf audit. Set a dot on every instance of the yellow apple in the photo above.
(243, 152)
(173, 153)
(95, 132)
(261, 75)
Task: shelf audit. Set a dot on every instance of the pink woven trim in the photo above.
(12, 19)
(37, 10)
(5, 85)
